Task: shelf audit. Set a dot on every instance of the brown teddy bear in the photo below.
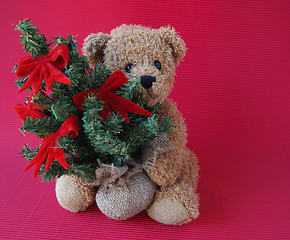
(167, 185)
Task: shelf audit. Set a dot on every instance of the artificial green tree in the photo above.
(97, 139)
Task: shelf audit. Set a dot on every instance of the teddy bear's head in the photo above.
(151, 54)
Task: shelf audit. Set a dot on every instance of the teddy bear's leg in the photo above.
(179, 203)
(72, 195)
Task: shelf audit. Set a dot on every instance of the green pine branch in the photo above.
(33, 41)
(28, 152)
(130, 89)
(20, 82)
(103, 140)
(43, 100)
(114, 124)
(61, 110)
(40, 126)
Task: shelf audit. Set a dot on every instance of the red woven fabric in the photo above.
(233, 89)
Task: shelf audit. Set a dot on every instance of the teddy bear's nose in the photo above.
(147, 81)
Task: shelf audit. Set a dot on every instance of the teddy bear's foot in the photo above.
(168, 211)
(174, 206)
(72, 195)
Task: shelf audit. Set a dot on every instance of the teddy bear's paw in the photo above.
(128, 199)
(72, 195)
(168, 211)
(174, 206)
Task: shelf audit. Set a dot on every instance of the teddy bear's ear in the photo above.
(94, 46)
(175, 42)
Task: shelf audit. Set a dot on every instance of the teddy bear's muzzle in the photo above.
(147, 81)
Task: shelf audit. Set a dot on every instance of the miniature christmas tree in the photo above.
(85, 116)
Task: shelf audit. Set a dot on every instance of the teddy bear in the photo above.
(169, 170)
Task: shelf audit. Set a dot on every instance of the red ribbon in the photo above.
(46, 67)
(49, 148)
(29, 110)
(107, 94)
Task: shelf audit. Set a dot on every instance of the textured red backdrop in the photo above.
(233, 88)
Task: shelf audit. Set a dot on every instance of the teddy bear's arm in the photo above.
(168, 164)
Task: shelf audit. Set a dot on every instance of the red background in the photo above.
(233, 88)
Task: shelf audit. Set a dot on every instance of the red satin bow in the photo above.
(107, 94)
(49, 148)
(29, 110)
(46, 67)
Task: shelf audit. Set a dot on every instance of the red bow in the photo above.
(107, 94)
(29, 110)
(46, 67)
(49, 148)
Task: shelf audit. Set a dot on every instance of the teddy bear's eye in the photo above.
(129, 67)
(157, 64)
